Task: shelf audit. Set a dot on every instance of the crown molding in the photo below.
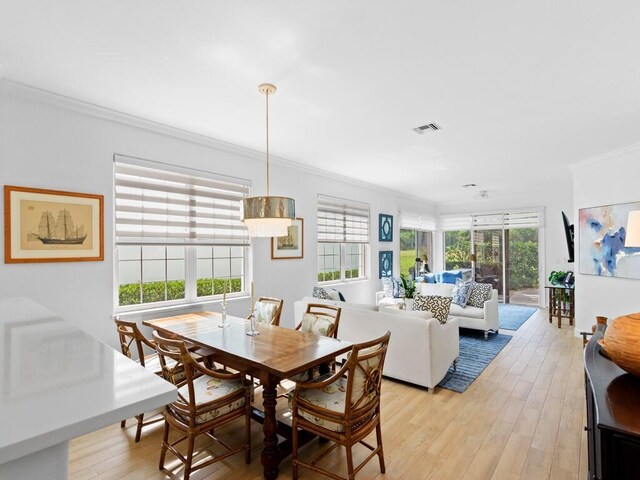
(47, 97)
(604, 156)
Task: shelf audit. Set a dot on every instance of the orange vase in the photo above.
(621, 342)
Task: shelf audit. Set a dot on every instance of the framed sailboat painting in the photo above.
(52, 226)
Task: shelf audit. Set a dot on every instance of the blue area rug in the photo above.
(475, 355)
(513, 316)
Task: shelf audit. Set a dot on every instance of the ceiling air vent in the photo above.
(427, 127)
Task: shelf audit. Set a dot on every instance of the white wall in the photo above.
(557, 197)
(49, 142)
(608, 179)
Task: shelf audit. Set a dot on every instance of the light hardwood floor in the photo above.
(522, 418)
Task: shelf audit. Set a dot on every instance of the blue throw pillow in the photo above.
(461, 293)
(398, 289)
(430, 278)
(449, 277)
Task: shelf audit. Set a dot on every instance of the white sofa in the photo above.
(485, 319)
(421, 350)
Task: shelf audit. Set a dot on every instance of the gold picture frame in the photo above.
(52, 226)
(290, 246)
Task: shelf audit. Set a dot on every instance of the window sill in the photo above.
(148, 312)
(333, 283)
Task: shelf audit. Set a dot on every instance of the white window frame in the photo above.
(343, 254)
(191, 256)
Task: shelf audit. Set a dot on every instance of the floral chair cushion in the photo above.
(318, 324)
(207, 389)
(332, 397)
(264, 312)
(152, 362)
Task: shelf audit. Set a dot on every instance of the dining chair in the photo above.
(322, 320)
(132, 343)
(207, 399)
(343, 407)
(268, 310)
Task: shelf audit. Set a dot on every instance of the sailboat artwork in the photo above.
(61, 231)
(52, 225)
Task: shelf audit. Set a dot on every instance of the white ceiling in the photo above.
(521, 89)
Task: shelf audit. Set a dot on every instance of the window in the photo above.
(179, 235)
(457, 247)
(343, 236)
(414, 244)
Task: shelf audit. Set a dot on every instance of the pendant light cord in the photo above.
(267, 99)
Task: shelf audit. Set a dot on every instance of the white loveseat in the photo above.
(421, 350)
(485, 319)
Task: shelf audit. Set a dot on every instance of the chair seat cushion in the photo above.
(332, 397)
(152, 362)
(208, 389)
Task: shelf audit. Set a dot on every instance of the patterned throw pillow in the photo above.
(398, 289)
(387, 287)
(480, 293)
(264, 312)
(437, 305)
(318, 324)
(461, 293)
(321, 293)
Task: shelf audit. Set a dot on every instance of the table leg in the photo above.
(270, 452)
(551, 299)
(561, 305)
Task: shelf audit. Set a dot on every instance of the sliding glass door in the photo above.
(488, 247)
(522, 272)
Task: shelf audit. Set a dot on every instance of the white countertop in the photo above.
(57, 382)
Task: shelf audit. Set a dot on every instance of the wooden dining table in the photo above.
(277, 353)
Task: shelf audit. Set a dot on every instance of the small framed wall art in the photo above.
(386, 264)
(290, 245)
(52, 226)
(385, 227)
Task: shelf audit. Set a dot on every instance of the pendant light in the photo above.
(268, 216)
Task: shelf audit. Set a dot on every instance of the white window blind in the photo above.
(455, 222)
(489, 221)
(416, 221)
(342, 221)
(160, 204)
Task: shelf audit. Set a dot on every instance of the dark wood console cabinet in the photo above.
(613, 416)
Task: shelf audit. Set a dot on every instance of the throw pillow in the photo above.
(264, 312)
(398, 289)
(461, 293)
(480, 293)
(318, 324)
(387, 286)
(437, 305)
(321, 293)
(333, 294)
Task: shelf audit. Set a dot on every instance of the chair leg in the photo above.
(140, 419)
(294, 452)
(123, 423)
(189, 457)
(163, 447)
(247, 434)
(380, 451)
(455, 364)
(350, 473)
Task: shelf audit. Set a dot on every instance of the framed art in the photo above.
(385, 227)
(386, 264)
(601, 242)
(290, 245)
(52, 226)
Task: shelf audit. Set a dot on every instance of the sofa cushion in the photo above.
(437, 305)
(321, 293)
(469, 311)
(449, 277)
(480, 293)
(461, 292)
(441, 289)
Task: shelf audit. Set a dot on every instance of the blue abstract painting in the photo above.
(602, 235)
